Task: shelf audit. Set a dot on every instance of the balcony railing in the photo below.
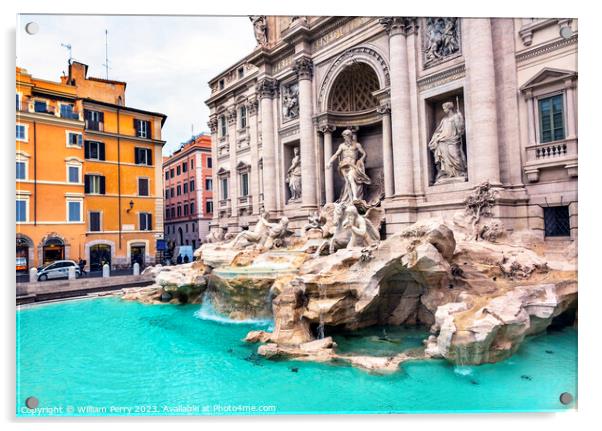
(549, 155)
(27, 105)
(95, 125)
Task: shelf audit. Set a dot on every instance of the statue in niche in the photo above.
(442, 39)
(446, 145)
(290, 101)
(351, 168)
(260, 29)
(293, 177)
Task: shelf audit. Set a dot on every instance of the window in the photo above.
(209, 207)
(74, 211)
(241, 72)
(172, 194)
(74, 139)
(173, 212)
(222, 126)
(178, 190)
(209, 162)
(243, 117)
(143, 187)
(171, 172)
(94, 184)
(94, 150)
(146, 221)
(185, 188)
(191, 207)
(166, 175)
(186, 228)
(191, 185)
(178, 170)
(179, 212)
(142, 128)
(208, 184)
(18, 102)
(184, 167)
(40, 106)
(22, 205)
(222, 84)
(67, 111)
(244, 184)
(143, 156)
(94, 221)
(556, 221)
(185, 209)
(224, 188)
(193, 229)
(21, 132)
(191, 164)
(73, 173)
(21, 170)
(551, 118)
(94, 120)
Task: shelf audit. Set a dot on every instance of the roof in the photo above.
(110, 81)
(127, 108)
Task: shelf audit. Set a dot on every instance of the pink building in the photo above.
(188, 193)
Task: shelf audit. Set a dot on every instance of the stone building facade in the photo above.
(439, 105)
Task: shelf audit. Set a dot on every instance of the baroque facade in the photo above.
(430, 107)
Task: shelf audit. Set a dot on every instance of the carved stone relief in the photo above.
(290, 101)
(441, 39)
(260, 29)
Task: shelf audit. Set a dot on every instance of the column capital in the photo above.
(395, 25)
(326, 128)
(266, 88)
(384, 108)
(252, 107)
(304, 68)
(212, 124)
(231, 115)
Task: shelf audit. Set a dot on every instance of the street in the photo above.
(24, 277)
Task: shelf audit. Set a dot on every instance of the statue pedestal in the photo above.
(450, 180)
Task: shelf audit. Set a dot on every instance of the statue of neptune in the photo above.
(351, 168)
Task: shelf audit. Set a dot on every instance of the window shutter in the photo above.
(149, 157)
(136, 156)
(141, 221)
(101, 117)
(150, 222)
(137, 127)
(101, 151)
(86, 183)
(148, 130)
(87, 149)
(102, 185)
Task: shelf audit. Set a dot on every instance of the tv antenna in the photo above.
(68, 46)
(106, 64)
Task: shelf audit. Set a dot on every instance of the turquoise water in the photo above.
(112, 357)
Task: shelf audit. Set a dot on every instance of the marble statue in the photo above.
(277, 234)
(314, 229)
(290, 101)
(446, 145)
(351, 168)
(293, 177)
(216, 235)
(442, 39)
(257, 236)
(260, 29)
(340, 235)
(363, 232)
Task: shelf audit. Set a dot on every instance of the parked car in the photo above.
(21, 264)
(58, 269)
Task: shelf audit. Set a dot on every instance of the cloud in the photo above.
(166, 60)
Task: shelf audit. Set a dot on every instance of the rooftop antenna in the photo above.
(106, 65)
(68, 46)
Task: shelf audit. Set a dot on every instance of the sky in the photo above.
(165, 60)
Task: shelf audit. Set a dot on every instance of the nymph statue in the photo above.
(216, 235)
(363, 232)
(260, 29)
(351, 168)
(446, 145)
(277, 233)
(293, 177)
(256, 236)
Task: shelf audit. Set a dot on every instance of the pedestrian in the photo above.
(82, 265)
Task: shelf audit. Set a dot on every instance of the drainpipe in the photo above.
(119, 179)
(35, 176)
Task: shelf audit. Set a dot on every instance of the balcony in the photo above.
(95, 125)
(551, 155)
(31, 106)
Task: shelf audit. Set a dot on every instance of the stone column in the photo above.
(212, 123)
(329, 173)
(385, 111)
(233, 148)
(483, 139)
(530, 117)
(401, 124)
(265, 90)
(571, 121)
(304, 70)
(254, 180)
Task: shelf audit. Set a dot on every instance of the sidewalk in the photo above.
(56, 289)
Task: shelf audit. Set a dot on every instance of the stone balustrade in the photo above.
(553, 154)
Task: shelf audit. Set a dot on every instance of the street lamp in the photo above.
(131, 206)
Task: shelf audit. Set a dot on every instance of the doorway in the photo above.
(137, 255)
(53, 250)
(99, 255)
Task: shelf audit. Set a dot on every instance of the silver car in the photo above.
(58, 269)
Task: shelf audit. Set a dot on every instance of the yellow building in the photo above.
(105, 202)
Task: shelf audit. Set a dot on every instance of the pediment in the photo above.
(222, 171)
(548, 76)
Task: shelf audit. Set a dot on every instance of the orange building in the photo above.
(106, 204)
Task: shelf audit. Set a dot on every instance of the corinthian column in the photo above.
(265, 90)
(304, 69)
(213, 127)
(329, 174)
(385, 111)
(483, 139)
(233, 184)
(401, 122)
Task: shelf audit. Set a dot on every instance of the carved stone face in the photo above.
(347, 135)
(296, 151)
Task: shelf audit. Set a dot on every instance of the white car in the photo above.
(58, 269)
